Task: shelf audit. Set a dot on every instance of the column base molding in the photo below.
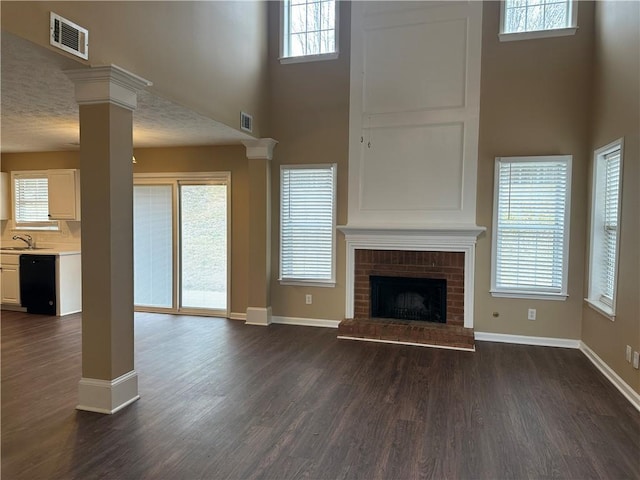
(107, 396)
(258, 316)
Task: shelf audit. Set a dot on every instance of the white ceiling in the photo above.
(39, 112)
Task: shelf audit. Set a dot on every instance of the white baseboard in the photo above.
(260, 316)
(612, 376)
(107, 396)
(237, 316)
(527, 340)
(306, 322)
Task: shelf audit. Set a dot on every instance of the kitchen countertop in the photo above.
(42, 250)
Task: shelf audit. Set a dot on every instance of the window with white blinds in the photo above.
(31, 201)
(307, 224)
(605, 223)
(531, 226)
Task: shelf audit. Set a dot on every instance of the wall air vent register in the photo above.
(246, 122)
(69, 37)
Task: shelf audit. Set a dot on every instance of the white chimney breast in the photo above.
(414, 110)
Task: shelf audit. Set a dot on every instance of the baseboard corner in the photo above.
(617, 381)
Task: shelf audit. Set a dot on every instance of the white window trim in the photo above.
(284, 60)
(523, 293)
(593, 299)
(534, 34)
(312, 282)
(43, 226)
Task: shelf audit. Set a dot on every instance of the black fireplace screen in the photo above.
(406, 298)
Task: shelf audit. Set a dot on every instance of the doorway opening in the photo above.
(181, 243)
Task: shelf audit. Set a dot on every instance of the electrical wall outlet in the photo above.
(627, 354)
(636, 360)
(308, 299)
(531, 314)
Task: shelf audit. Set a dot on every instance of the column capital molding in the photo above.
(107, 84)
(260, 149)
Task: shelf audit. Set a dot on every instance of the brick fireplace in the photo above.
(444, 253)
(448, 266)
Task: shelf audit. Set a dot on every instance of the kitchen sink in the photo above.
(23, 249)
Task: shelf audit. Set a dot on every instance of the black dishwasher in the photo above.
(38, 283)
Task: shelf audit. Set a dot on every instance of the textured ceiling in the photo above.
(39, 112)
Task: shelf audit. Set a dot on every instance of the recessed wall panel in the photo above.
(412, 168)
(415, 67)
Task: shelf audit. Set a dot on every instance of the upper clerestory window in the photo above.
(309, 30)
(527, 19)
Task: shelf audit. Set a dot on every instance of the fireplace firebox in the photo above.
(408, 298)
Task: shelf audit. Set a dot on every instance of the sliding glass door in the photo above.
(203, 246)
(153, 245)
(181, 249)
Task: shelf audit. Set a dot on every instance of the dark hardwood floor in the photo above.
(223, 400)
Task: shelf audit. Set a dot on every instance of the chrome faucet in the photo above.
(26, 239)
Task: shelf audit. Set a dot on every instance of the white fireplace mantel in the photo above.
(434, 238)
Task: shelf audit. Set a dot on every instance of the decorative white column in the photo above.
(107, 97)
(259, 153)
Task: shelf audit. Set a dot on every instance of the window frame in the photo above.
(318, 282)
(528, 293)
(595, 293)
(43, 225)
(533, 34)
(284, 38)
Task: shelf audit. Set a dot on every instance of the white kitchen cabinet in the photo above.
(10, 279)
(64, 194)
(5, 196)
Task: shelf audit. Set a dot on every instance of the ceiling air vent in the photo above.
(246, 122)
(69, 37)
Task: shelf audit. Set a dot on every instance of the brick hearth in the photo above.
(407, 332)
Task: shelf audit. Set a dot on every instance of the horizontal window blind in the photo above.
(531, 225)
(307, 223)
(31, 198)
(610, 224)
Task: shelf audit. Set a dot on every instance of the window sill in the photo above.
(530, 295)
(32, 228)
(558, 32)
(308, 283)
(309, 58)
(601, 308)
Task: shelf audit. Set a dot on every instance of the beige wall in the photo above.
(154, 160)
(310, 119)
(217, 49)
(616, 114)
(535, 97)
